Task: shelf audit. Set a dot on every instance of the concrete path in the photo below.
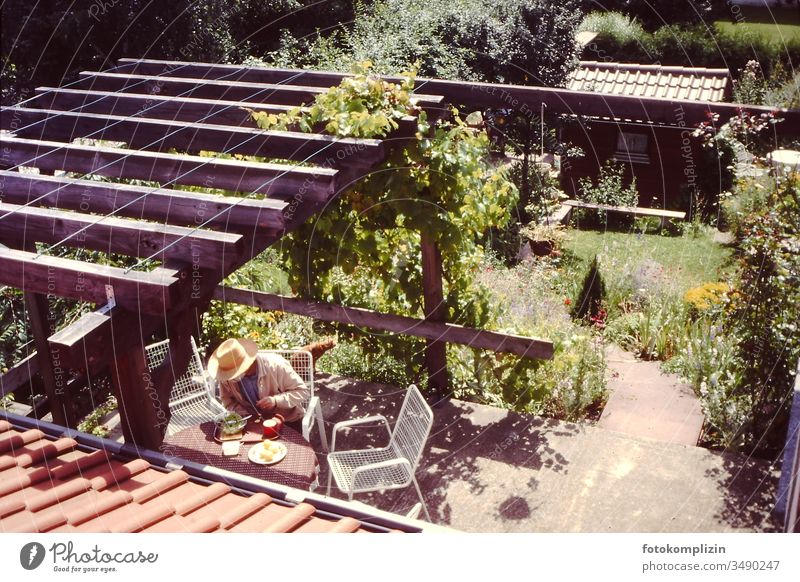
(645, 402)
(490, 470)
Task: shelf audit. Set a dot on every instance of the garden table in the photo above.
(197, 443)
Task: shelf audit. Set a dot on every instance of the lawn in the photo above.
(778, 24)
(687, 261)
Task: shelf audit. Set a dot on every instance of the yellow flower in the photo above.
(706, 296)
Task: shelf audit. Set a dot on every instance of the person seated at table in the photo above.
(257, 383)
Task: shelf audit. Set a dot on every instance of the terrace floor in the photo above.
(487, 469)
(492, 470)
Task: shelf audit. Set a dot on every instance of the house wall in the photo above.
(663, 173)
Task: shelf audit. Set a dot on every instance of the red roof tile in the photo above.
(694, 83)
(65, 485)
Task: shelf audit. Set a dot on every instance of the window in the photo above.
(632, 148)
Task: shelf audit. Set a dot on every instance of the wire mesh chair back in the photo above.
(302, 363)
(191, 400)
(412, 427)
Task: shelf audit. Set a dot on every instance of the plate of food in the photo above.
(267, 453)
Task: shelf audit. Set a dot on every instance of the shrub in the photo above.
(609, 189)
(615, 26)
(589, 302)
(568, 387)
(706, 296)
(350, 359)
(527, 41)
(751, 194)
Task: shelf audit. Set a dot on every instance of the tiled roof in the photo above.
(692, 83)
(52, 484)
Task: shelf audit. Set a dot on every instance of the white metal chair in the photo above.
(303, 364)
(192, 400)
(390, 467)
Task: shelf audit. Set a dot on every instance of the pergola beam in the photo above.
(444, 332)
(135, 238)
(206, 172)
(219, 89)
(490, 95)
(151, 292)
(177, 207)
(221, 112)
(163, 135)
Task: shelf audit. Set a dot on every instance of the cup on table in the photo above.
(272, 426)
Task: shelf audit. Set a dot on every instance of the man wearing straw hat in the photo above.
(257, 383)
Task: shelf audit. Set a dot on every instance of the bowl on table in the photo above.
(230, 423)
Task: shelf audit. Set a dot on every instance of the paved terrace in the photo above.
(487, 469)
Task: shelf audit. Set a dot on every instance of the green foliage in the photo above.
(441, 184)
(765, 321)
(511, 40)
(751, 195)
(741, 354)
(13, 328)
(91, 422)
(653, 333)
(374, 363)
(785, 93)
(751, 87)
(653, 15)
(609, 189)
(50, 42)
(533, 297)
(620, 27)
(6, 401)
(361, 106)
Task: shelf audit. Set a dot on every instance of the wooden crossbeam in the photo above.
(149, 292)
(153, 106)
(236, 113)
(19, 374)
(136, 238)
(177, 207)
(278, 181)
(162, 135)
(283, 94)
(200, 88)
(491, 95)
(445, 332)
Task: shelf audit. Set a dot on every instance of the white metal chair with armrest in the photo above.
(390, 467)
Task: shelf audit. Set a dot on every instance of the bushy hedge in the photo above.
(527, 41)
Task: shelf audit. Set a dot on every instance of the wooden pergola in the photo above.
(170, 123)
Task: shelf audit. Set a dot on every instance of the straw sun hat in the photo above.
(232, 359)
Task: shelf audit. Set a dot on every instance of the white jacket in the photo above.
(277, 378)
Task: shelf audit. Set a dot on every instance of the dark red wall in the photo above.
(673, 158)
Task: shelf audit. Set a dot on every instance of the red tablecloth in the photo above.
(298, 469)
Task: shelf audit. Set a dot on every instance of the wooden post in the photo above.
(53, 376)
(435, 350)
(144, 415)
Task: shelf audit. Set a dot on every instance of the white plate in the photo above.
(251, 454)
